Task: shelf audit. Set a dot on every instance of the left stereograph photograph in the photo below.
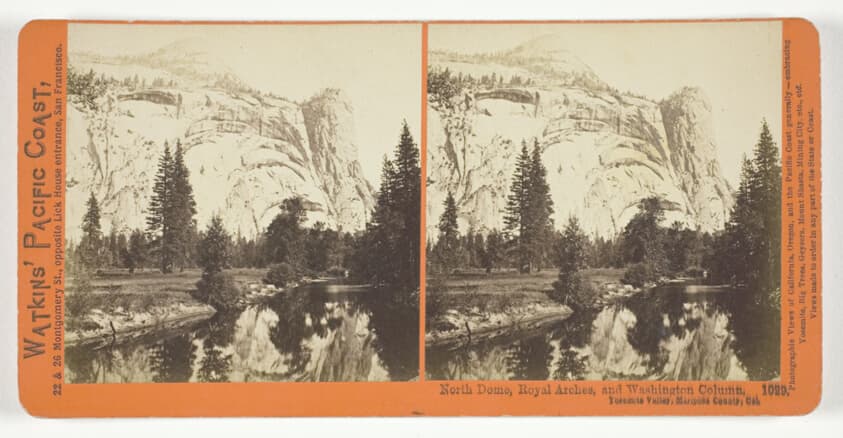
(243, 202)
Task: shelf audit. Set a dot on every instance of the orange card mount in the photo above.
(432, 218)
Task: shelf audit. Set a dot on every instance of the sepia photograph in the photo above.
(243, 202)
(603, 201)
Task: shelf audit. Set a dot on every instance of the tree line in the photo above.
(745, 254)
(526, 240)
(385, 254)
(443, 85)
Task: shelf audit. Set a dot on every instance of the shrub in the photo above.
(80, 299)
(217, 289)
(281, 274)
(638, 274)
(434, 303)
(572, 291)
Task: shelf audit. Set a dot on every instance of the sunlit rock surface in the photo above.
(604, 150)
(246, 150)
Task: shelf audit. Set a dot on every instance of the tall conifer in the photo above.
(517, 209)
(183, 208)
(90, 245)
(159, 221)
(540, 226)
(391, 242)
(447, 246)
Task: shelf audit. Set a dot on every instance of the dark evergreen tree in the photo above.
(494, 252)
(214, 248)
(136, 252)
(765, 188)
(568, 287)
(160, 221)
(643, 237)
(409, 195)
(389, 250)
(748, 251)
(285, 235)
(478, 249)
(517, 210)
(448, 245)
(736, 252)
(678, 245)
(183, 209)
(540, 205)
(91, 244)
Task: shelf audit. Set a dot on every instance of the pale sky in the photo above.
(377, 66)
(738, 65)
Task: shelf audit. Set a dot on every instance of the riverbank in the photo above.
(116, 306)
(471, 306)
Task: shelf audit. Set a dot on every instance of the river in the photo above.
(672, 332)
(317, 332)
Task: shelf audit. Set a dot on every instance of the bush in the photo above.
(638, 274)
(281, 274)
(80, 299)
(217, 289)
(573, 292)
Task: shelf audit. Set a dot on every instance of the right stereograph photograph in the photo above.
(603, 201)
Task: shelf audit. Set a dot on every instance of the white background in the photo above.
(827, 420)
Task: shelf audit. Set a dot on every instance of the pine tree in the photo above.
(285, 234)
(517, 210)
(540, 204)
(478, 249)
(183, 208)
(379, 242)
(388, 253)
(494, 252)
(741, 234)
(447, 247)
(171, 211)
(765, 187)
(409, 191)
(214, 248)
(571, 258)
(748, 252)
(160, 221)
(643, 238)
(91, 243)
(135, 254)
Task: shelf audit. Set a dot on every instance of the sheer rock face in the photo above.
(604, 150)
(246, 151)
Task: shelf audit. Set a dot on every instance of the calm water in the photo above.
(674, 332)
(319, 332)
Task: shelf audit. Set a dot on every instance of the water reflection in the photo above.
(671, 333)
(316, 333)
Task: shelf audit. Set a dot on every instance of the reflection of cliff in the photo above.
(700, 349)
(347, 352)
(334, 343)
(166, 361)
(254, 355)
(481, 362)
(704, 353)
(120, 365)
(612, 356)
(651, 336)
